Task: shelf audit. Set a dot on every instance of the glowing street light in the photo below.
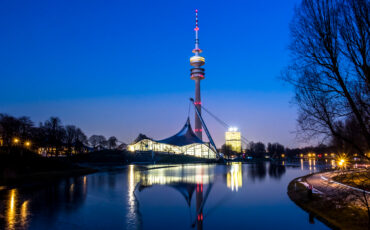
(16, 140)
(27, 143)
(342, 160)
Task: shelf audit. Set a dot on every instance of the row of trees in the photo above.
(275, 150)
(51, 135)
(257, 149)
(330, 72)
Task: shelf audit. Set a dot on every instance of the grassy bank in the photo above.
(335, 213)
(357, 179)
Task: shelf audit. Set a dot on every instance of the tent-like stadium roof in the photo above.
(185, 136)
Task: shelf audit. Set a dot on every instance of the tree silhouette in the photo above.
(55, 134)
(330, 68)
(112, 142)
(98, 141)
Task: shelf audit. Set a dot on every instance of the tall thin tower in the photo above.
(197, 74)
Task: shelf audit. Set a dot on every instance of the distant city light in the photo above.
(16, 140)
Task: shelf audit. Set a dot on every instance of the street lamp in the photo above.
(27, 143)
(342, 161)
(16, 140)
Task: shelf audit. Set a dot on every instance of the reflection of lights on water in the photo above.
(11, 209)
(16, 216)
(84, 185)
(71, 188)
(312, 164)
(131, 186)
(302, 164)
(333, 164)
(131, 215)
(191, 174)
(234, 177)
(12, 199)
(24, 213)
(162, 175)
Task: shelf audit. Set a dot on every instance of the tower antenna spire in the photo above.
(196, 33)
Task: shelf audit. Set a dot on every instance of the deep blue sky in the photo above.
(122, 67)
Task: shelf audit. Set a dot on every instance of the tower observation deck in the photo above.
(197, 74)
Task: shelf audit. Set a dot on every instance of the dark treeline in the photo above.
(330, 72)
(50, 136)
(277, 150)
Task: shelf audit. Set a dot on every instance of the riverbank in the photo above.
(333, 204)
(21, 167)
(25, 168)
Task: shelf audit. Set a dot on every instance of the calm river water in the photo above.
(201, 196)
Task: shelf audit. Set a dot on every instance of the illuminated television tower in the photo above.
(197, 74)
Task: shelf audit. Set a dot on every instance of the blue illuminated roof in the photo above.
(185, 136)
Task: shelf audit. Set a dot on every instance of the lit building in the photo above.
(184, 142)
(233, 139)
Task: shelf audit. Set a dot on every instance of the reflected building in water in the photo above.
(234, 176)
(187, 180)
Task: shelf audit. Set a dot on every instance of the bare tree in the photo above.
(71, 137)
(330, 67)
(54, 134)
(257, 149)
(275, 149)
(112, 142)
(98, 141)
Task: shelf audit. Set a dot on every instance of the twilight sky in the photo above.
(122, 67)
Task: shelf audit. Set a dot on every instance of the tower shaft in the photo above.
(197, 74)
(198, 123)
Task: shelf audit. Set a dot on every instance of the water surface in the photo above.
(201, 196)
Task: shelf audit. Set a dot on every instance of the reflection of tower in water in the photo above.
(185, 179)
(199, 202)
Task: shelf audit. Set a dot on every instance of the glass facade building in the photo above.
(184, 142)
